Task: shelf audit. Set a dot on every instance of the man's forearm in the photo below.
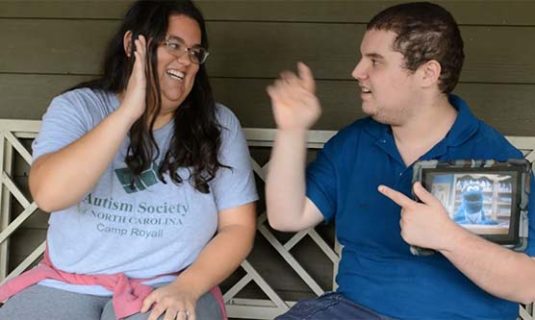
(497, 270)
(285, 185)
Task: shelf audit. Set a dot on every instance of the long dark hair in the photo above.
(196, 140)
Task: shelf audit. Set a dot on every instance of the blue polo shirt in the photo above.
(377, 269)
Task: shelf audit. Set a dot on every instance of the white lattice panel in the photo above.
(10, 133)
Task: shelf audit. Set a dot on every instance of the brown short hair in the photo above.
(425, 31)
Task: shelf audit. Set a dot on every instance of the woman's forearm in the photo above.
(223, 254)
(60, 179)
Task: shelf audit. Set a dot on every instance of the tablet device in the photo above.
(486, 197)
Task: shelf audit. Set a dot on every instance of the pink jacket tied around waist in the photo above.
(128, 294)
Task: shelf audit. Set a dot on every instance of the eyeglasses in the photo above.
(177, 48)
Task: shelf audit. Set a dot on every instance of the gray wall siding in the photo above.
(48, 46)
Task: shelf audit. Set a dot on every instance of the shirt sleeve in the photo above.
(233, 186)
(321, 181)
(64, 122)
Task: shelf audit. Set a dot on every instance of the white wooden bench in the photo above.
(13, 131)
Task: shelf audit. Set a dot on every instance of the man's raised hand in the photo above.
(294, 101)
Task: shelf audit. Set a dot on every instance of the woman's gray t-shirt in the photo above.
(147, 229)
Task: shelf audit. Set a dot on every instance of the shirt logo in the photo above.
(133, 184)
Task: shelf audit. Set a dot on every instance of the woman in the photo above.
(147, 180)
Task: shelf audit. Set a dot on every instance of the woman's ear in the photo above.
(127, 43)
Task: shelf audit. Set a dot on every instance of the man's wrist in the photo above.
(455, 237)
(289, 134)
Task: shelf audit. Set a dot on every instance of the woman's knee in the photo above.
(44, 303)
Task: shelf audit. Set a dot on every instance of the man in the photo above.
(412, 55)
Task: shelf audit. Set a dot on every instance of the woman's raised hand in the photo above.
(293, 99)
(134, 97)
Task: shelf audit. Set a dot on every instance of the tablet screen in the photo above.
(483, 202)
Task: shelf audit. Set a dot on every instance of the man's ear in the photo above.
(430, 73)
(127, 43)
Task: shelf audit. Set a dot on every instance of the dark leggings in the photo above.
(44, 303)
